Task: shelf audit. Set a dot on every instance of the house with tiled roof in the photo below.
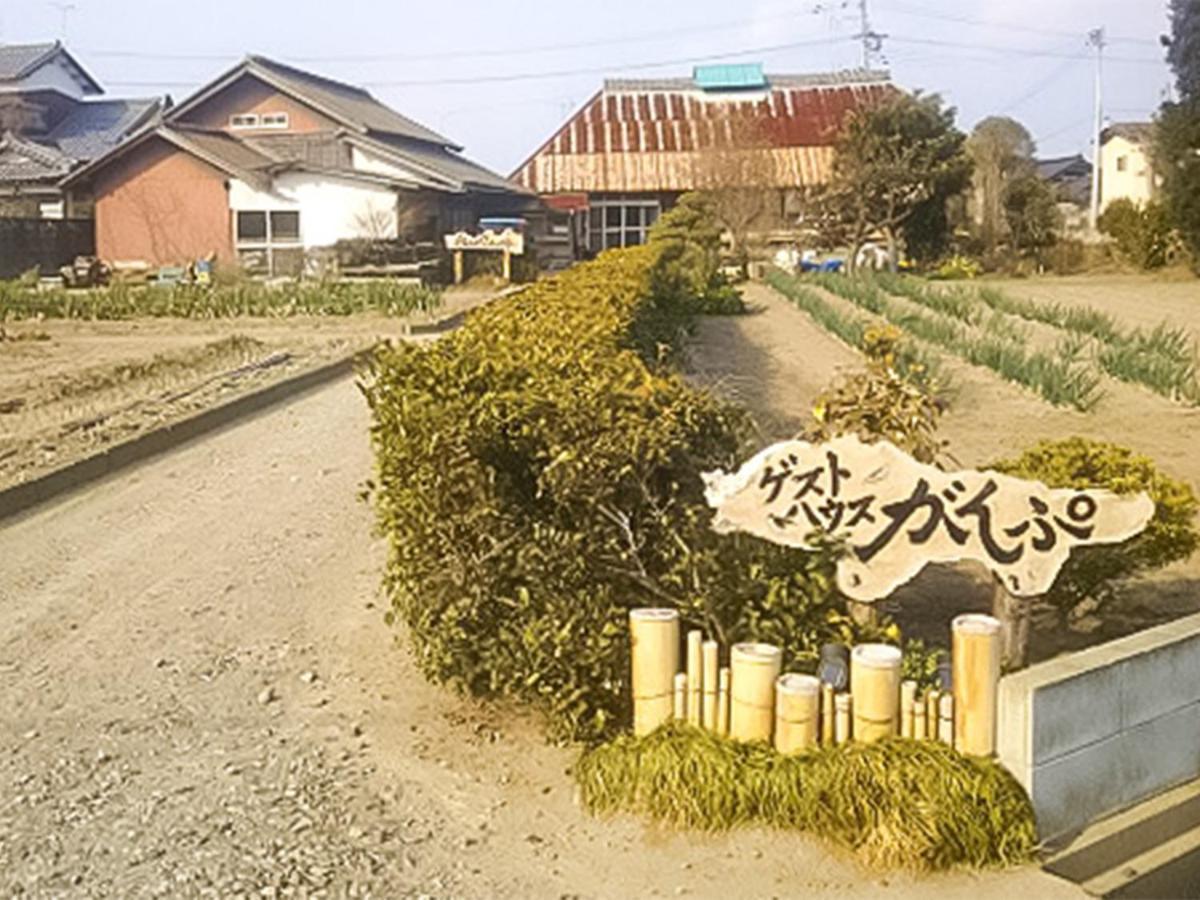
(1126, 166)
(637, 144)
(52, 123)
(268, 162)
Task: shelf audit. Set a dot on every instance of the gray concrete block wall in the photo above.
(1094, 732)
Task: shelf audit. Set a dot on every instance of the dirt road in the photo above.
(198, 698)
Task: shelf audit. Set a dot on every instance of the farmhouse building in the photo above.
(1126, 170)
(268, 162)
(636, 145)
(51, 124)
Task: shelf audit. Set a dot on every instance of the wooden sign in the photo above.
(508, 240)
(897, 514)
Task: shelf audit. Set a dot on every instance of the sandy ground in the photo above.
(198, 698)
(777, 360)
(68, 389)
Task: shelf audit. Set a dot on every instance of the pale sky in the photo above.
(500, 77)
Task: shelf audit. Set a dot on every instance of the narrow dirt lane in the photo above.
(198, 698)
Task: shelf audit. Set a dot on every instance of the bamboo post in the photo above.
(946, 719)
(654, 653)
(680, 705)
(908, 701)
(507, 266)
(723, 702)
(875, 686)
(754, 668)
(694, 639)
(919, 731)
(975, 655)
(797, 712)
(709, 652)
(458, 267)
(841, 718)
(827, 714)
(931, 714)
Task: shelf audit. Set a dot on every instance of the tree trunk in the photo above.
(1014, 615)
(893, 261)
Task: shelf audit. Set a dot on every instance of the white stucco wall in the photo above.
(331, 208)
(1136, 182)
(368, 162)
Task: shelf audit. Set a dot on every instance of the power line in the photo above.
(926, 13)
(1040, 86)
(1020, 51)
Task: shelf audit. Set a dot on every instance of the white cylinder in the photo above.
(841, 718)
(754, 668)
(797, 712)
(680, 704)
(723, 702)
(908, 699)
(975, 658)
(875, 686)
(920, 732)
(709, 652)
(827, 714)
(946, 719)
(654, 658)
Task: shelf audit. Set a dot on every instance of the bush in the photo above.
(880, 403)
(898, 804)
(1143, 234)
(538, 475)
(1092, 575)
(689, 244)
(956, 268)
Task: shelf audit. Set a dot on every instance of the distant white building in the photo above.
(1126, 168)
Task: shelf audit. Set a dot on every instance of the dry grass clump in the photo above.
(897, 804)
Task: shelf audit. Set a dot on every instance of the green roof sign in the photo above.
(737, 76)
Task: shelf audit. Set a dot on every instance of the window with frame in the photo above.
(274, 120)
(244, 120)
(619, 222)
(268, 242)
(1122, 163)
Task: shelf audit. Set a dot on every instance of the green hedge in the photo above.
(898, 804)
(122, 301)
(538, 475)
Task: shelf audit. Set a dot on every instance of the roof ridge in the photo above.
(311, 76)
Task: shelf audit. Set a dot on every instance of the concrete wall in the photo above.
(331, 208)
(1097, 731)
(1135, 182)
(163, 206)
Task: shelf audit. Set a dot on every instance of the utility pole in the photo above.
(1096, 39)
(65, 9)
(872, 43)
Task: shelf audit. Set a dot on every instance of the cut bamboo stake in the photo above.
(694, 639)
(919, 731)
(827, 714)
(875, 686)
(709, 654)
(841, 718)
(654, 650)
(797, 712)
(946, 719)
(975, 655)
(680, 706)
(752, 690)
(931, 714)
(908, 700)
(723, 702)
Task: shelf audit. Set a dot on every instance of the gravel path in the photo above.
(198, 698)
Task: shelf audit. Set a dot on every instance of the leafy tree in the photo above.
(1002, 151)
(1177, 144)
(892, 159)
(1142, 233)
(1032, 215)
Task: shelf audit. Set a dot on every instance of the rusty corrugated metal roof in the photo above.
(654, 135)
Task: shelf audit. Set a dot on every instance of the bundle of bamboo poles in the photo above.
(752, 700)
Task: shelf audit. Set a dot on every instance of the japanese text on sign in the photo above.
(897, 514)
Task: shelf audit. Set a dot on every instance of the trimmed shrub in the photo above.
(897, 804)
(689, 243)
(1092, 575)
(538, 475)
(1142, 233)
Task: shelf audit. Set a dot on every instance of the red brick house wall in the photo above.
(163, 206)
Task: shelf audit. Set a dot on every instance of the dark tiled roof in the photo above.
(1138, 132)
(451, 165)
(353, 104)
(223, 149)
(324, 149)
(1055, 168)
(25, 161)
(93, 128)
(17, 60)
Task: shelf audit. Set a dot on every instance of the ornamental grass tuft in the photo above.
(896, 804)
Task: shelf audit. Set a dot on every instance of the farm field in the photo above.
(70, 387)
(778, 359)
